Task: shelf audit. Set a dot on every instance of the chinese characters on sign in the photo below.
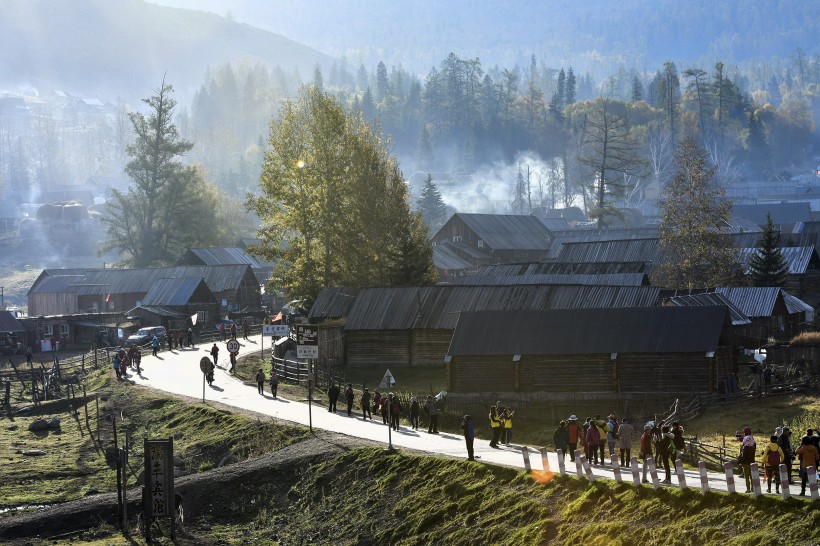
(159, 473)
(307, 341)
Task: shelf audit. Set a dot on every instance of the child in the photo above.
(772, 457)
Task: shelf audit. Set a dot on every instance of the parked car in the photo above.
(145, 335)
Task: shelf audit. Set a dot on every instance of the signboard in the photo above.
(205, 364)
(159, 477)
(233, 346)
(307, 341)
(387, 381)
(275, 330)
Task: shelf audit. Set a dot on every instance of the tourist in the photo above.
(809, 457)
(415, 407)
(366, 410)
(646, 450)
(395, 411)
(332, 397)
(260, 381)
(677, 436)
(772, 457)
(601, 424)
(468, 427)
(349, 398)
(245, 329)
(233, 330)
(233, 362)
(508, 423)
(611, 428)
(593, 439)
(561, 438)
(222, 331)
(625, 432)
(274, 382)
(495, 423)
(117, 365)
(746, 457)
(191, 338)
(663, 451)
(215, 354)
(573, 434)
(432, 411)
(377, 402)
(154, 345)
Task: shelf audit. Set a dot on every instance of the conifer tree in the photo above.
(431, 205)
(767, 265)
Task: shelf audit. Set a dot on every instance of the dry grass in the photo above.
(806, 339)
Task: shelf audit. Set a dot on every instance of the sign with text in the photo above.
(307, 341)
(233, 346)
(159, 477)
(275, 330)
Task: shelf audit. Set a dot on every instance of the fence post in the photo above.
(755, 480)
(578, 464)
(545, 463)
(812, 474)
(681, 475)
(730, 477)
(616, 467)
(587, 469)
(636, 472)
(704, 477)
(526, 453)
(653, 471)
(561, 469)
(784, 482)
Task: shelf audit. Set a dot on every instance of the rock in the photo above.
(12, 427)
(54, 423)
(178, 472)
(178, 462)
(38, 426)
(178, 435)
(230, 458)
(34, 452)
(91, 491)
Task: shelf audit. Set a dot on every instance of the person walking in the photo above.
(772, 457)
(561, 439)
(785, 443)
(138, 359)
(260, 381)
(332, 397)
(663, 451)
(495, 424)
(366, 412)
(222, 331)
(28, 355)
(154, 345)
(677, 436)
(215, 354)
(746, 457)
(468, 426)
(611, 428)
(232, 359)
(508, 422)
(117, 364)
(274, 382)
(601, 424)
(431, 410)
(414, 412)
(377, 401)
(191, 338)
(395, 411)
(625, 432)
(646, 450)
(349, 398)
(245, 329)
(809, 457)
(573, 434)
(593, 439)
(233, 330)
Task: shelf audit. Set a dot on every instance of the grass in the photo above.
(74, 461)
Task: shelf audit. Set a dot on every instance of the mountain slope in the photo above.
(123, 48)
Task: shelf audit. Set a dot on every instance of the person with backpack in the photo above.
(677, 436)
(431, 409)
(495, 424)
(415, 407)
(772, 457)
(332, 397)
(573, 435)
(646, 449)
(611, 428)
(349, 396)
(809, 457)
(366, 410)
(746, 457)
(215, 354)
(601, 424)
(561, 438)
(468, 426)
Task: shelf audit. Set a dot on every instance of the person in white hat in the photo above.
(574, 433)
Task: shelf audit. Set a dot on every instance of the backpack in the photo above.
(773, 459)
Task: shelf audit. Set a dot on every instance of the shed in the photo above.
(626, 351)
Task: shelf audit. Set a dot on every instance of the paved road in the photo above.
(178, 372)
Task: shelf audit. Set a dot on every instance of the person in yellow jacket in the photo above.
(495, 423)
(601, 424)
(772, 457)
(508, 418)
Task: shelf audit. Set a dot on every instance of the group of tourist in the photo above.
(596, 436)
(387, 405)
(123, 360)
(501, 421)
(780, 449)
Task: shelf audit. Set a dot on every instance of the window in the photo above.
(63, 330)
(480, 243)
(48, 330)
(456, 238)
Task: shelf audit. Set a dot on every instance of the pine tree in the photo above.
(570, 88)
(767, 265)
(431, 205)
(637, 89)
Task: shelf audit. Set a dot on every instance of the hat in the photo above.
(573, 418)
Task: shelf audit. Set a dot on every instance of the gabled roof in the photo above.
(445, 257)
(9, 323)
(222, 256)
(159, 311)
(438, 307)
(753, 301)
(178, 291)
(798, 258)
(334, 302)
(614, 279)
(539, 268)
(632, 250)
(782, 213)
(796, 305)
(507, 231)
(589, 331)
(708, 299)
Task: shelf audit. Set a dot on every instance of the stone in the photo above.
(34, 452)
(178, 462)
(54, 423)
(12, 427)
(178, 435)
(91, 491)
(178, 472)
(38, 426)
(230, 458)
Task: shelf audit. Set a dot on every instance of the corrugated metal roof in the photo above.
(560, 238)
(589, 331)
(160, 311)
(753, 301)
(438, 307)
(798, 258)
(615, 279)
(225, 256)
(9, 323)
(508, 231)
(554, 224)
(444, 257)
(172, 291)
(782, 213)
(559, 268)
(708, 299)
(632, 250)
(796, 305)
(334, 302)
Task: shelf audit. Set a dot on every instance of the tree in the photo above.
(166, 209)
(694, 252)
(637, 89)
(612, 154)
(698, 86)
(431, 206)
(569, 90)
(334, 206)
(767, 265)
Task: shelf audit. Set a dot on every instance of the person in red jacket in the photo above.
(573, 431)
(593, 439)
